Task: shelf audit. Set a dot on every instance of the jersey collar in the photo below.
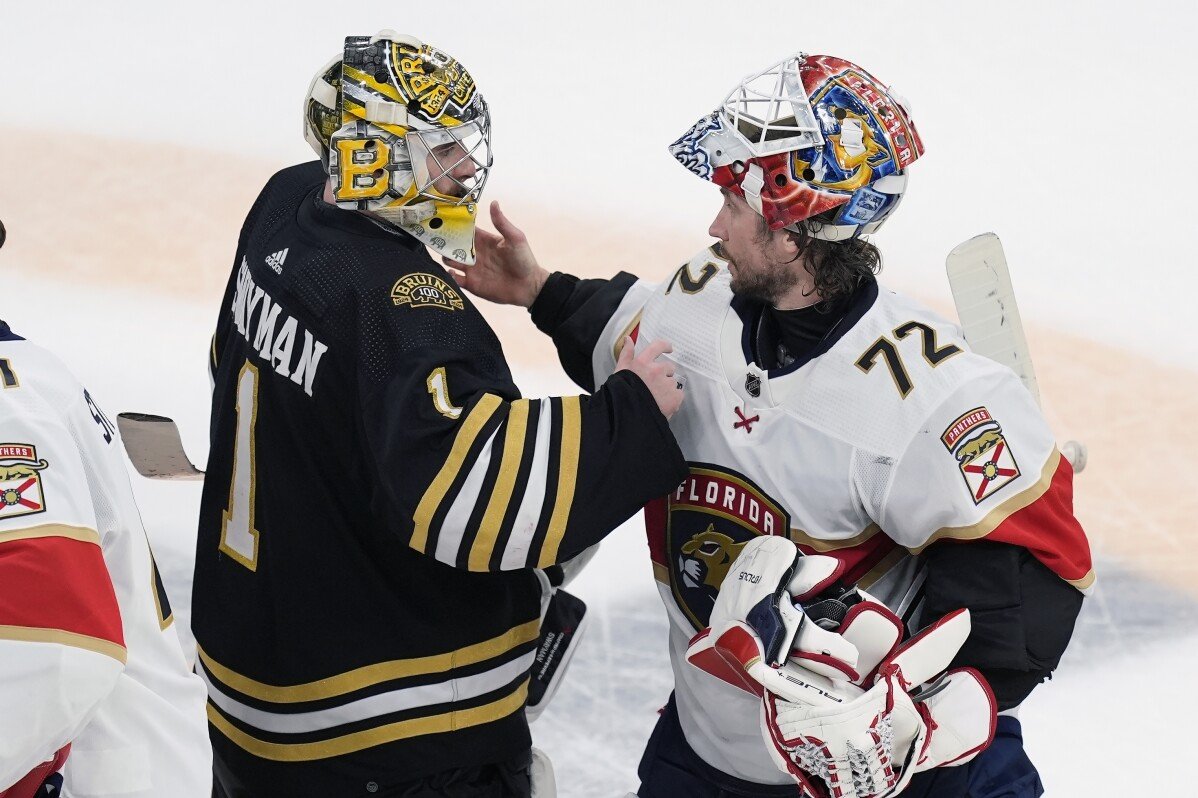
(772, 386)
(316, 211)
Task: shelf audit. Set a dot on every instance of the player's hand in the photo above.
(505, 269)
(658, 375)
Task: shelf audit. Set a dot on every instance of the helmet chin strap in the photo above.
(408, 215)
(751, 184)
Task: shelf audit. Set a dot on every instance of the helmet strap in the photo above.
(751, 184)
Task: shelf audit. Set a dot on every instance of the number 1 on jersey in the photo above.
(238, 537)
(438, 387)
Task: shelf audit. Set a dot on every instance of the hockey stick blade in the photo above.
(989, 315)
(155, 448)
(981, 286)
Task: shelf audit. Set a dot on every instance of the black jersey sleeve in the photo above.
(1022, 614)
(573, 313)
(485, 480)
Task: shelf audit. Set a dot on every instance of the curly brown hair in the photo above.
(837, 266)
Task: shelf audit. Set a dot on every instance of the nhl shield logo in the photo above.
(421, 290)
(20, 480)
(987, 463)
(709, 519)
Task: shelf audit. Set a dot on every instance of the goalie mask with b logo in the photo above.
(405, 134)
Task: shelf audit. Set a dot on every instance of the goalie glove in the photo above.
(755, 626)
(875, 740)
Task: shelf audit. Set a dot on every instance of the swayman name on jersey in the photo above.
(273, 333)
(364, 602)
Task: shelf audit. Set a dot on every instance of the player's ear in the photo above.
(786, 245)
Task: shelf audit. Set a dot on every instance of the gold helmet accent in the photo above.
(404, 134)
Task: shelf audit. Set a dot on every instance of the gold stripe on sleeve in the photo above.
(1085, 583)
(370, 675)
(368, 738)
(37, 635)
(501, 495)
(618, 346)
(567, 479)
(432, 497)
(80, 533)
(990, 522)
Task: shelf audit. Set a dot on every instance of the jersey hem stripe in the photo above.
(370, 675)
(29, 634)
(349, 743)
(424, 698)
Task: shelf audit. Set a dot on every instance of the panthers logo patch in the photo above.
(987, 463)
(708, 520)
(21, 480)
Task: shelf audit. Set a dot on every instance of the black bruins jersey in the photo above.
(377, 498)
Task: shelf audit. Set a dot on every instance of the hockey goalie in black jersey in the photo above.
(378, 495)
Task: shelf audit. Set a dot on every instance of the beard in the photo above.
(763, 282)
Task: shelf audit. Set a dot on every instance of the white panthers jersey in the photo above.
(893, 438)
(88, 651)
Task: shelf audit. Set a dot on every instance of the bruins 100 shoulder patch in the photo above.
(422, 290)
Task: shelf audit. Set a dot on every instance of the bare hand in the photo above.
(505, 271)
(658, 375)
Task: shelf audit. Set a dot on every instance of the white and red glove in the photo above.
(755, 626)
(846, 713)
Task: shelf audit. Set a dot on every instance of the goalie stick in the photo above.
(985, 300)
(155, 448)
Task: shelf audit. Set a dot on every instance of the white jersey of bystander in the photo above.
(88, 651)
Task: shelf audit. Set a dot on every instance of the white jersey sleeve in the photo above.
(61, 638)
(984, 464)
(88, 649)
(623, 323)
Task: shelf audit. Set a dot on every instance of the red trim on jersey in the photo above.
(31, 784)
(1048, 529)
(58, 583)
(859, 560)
(656, 512)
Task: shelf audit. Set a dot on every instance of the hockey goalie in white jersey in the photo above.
(91, 671)
(826, 410)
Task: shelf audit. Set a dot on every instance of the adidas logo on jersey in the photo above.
(275, 260)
